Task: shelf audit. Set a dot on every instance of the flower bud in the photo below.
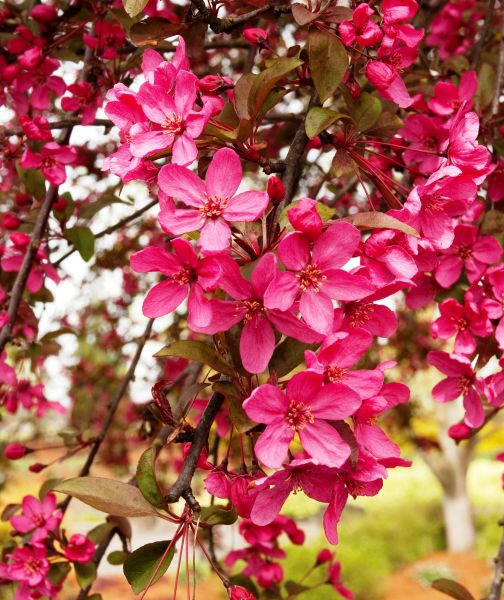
(276, 190)
(460, 431)
(237, 592)
(36, 467)
(214, 84)
(255, 36)
(44, 13)
(324, 556)
(16, 451)
(10, 221)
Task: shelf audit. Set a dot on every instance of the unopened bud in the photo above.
(276, 190)
(237, 592)
(16, 451)
(255, 36)
(36, 467)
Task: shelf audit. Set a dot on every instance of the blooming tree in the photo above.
(318, 171)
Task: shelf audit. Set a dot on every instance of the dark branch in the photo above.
(498, 579)
(228, 24)
(485, 32)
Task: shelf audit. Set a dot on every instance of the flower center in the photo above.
(311, 277)
(32, 566)
(38, 520)
(432, 202)
(334, 374)
(464, 252)
(253, 308)
(48, 162)
(173, 125)
(299, 415)
(464, 382)
(461, 323)
(429, 142)
(182, 277)
(360, 314)
(214, 207)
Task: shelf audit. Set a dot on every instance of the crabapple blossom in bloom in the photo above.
(496, 183)
(51, 161)
(377, 319)
(259, 321)
(186, 274)
(79, 548)
(304, 409)
(454, 28)
(39, 515)
(107, 37)
(83, 99)
(214, 202)
(427, 136)
(28, 565)
(464, 322)
(361, 29)
(316, 276)
(448, 98)
(461, 381)
(469, 250)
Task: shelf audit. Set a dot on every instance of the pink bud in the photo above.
(22, 199)
(276, 190)
(44, 13)
(255, 35)
(10, 221)
(16, 451)
(237, 592)
(36, 467)
(214, 84)
(324, 556)
(460, 431)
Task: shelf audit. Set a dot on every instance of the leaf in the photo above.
(9, 511)
(83, 239)
(486, 86)
(107, 495)
(453, 589)
(378, 220)
(366, 111)
(302, 15)
(117, 557)
(134, 7)
(241, 94)
(85, 573)
(100, 532)
(234, 402)
(33, 180)
(146, 479)
(328, 61)
(197, 351)
(318, 119)
(47, 486)
(288, 355)
(141, 564)
(266, 81)
(295, 588)
(342, 163)
(152, 31)
(218, 515)
(58, 573)
(387, 125)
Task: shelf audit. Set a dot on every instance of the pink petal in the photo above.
(304, 386)
(446, 390)
(292, 327)
(154, 259)
(336, 246)
(224, 174)
(185, 92)
(282, 291)
(333, 513)
(345, 286)
(155, 102)
(448, 271)
(263, 274)
(323, 443)
(214, 236)
(180, 221)
(257, 343)
(163, 299)
(450, 365)
(475, 414)
(185, 251)
(265, 404)
(30, 160)
(184, 150)
(268, 503)
(335, 401)
(247, 206)
(182, 184)
(364, 382)
(149, 142)
(317, 311)
(272, 445)
(294, 251)
(347, 351)
(199, 307)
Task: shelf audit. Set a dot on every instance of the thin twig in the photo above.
(63, 123)
(498, 578)
(114, 405)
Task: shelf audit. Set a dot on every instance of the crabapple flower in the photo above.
(494, 305)
(395, 30)
(79, 549)
(377, 319)
(427, 136)
(305, 218)
(28, 565)
(461, 381)
(37, 514)
(186, 274)
(51, 161)
(463, 321)
(176, 123)
(469, 251)
(84, 98)
(361, 28)
(305, 408)
(388, 83)
(214, 202)
(448, 98)
(454, 28)
(255, 36)
(316, 275)
(496, 183)
(107, 37)
(257, 340)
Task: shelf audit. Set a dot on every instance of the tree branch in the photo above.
(114, 405)
(487, 25)
(498, 579)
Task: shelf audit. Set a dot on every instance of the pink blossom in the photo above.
(494, 305)
(176, 123)
(214, 202)
(461, 381)
(427, 136)
(107, 37)
(316, 276)
(448, 98)
(28, 565)
(186, 274)
(255, 36)
(463, 321)
(257, 340)
(7, 373)
(464, 152)
(388, 259)
(84, 99)
(305, 408)
(454, 28)
(377, 319)
(304, 217)
(394, 13)
(51, 161)
(334, 577)
(36, 128)
(388, 83)
(237, 592)
(79, 549)
(468, 250)
(37, 514)
(361, 28)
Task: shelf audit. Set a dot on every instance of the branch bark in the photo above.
(498, 579)
(487, 26)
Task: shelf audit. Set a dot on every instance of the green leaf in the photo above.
(100, 532)
(9, 511)
(47, 486)
(152, 31)
(267, 80)
(241, 94)
(146, 479)
(218, 515)
(33, 180)
(318, 119)
(486, 86)
(328, 61)
(366, 111)
(294, 588)
(378, 220)
(453, 589)
(288, 355)
(141, 564)
(107, 495)
(58, 573)
(198, 351)
(83, 239)
(117, 557)
(85, 573)
(134, 7)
